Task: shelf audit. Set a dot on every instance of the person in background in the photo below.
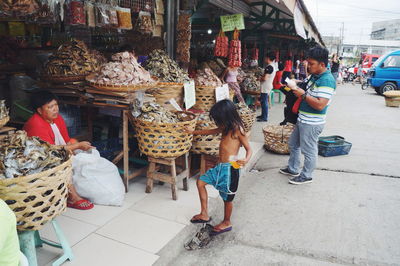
(288, 69)
(49, 126)
(359, 75)
(267, 85)
(303, 69)
(230, 76)
(312, 114)
(335, 66)
(9, 244)
(297, 69)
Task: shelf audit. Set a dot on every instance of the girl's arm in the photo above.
(245, 142)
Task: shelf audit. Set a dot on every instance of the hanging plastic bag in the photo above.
(102, 18)
(97, 179)
(124, 18)
(76, 13)
(90, 15)
(144, 23)
(112, 14)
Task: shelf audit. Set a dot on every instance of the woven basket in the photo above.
(121, 88)
(277, 137)
(163, 140)
(4, 121)
(38, 198)
(206, 144)
(392, 101)
(205, 98)
(248, 120)
(63, 79)
(164, 93)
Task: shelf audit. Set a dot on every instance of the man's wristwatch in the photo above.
(304, 96)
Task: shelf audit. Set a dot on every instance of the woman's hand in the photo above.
(85, 145)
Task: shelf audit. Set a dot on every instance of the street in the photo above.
(348, 215)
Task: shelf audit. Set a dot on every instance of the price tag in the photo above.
(222, 93)
(230, 22)
(190, 94)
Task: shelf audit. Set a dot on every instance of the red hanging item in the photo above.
(255, 53)
(221, 45)
(235, 55)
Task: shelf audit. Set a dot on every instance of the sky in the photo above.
(357, 16)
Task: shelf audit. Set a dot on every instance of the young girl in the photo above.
(225, 176)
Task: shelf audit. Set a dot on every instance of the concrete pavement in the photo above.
(349, 215)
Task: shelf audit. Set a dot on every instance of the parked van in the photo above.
(384, 75)
(367, 61)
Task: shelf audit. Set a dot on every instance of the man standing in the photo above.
(267, 85)
(312, 112)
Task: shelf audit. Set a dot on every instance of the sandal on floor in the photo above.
(80, 204)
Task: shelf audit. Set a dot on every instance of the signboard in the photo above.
(190, 94)
(222, 93)
(230, 22)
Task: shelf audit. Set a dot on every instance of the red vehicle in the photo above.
(367, 61)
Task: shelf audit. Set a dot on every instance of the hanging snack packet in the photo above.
(90, 15)
(112, 14)
(76, 13)
(102, 18)
(124, 18)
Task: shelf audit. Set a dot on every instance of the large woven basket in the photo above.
(277, 137)
(205, 98)
(164, 93)
(206, 144)
(392, 98)
(248, 120)
(4, 121)
(38, 198)
(163, 140)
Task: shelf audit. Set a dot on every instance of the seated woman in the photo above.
(49, 126)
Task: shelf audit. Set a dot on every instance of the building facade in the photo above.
(386, 30)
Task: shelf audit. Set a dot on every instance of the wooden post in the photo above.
(187, 172)
(173, 179)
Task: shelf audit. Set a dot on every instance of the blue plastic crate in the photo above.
(328, 150)
(331, 140)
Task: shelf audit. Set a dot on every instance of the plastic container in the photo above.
(330, 149)
(331, 140)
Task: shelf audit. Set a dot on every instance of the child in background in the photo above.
(225, 176)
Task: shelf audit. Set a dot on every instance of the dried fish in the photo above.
(207, 78)
(3, 109)
(74, 58)
(21, 155)
(162, 66)
(125, 70)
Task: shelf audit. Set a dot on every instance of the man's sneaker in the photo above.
(300, 180)
(286, 171)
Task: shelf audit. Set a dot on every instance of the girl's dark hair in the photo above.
(41, 98)
(225, 115)
(319, 53)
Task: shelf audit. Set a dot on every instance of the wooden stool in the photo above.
(171, 178)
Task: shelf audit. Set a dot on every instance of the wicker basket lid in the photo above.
(392, 93)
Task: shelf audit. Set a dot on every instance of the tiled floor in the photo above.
(136, 231)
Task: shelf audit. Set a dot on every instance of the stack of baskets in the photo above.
(37, 198)
(163, 140)
(277, 137)
(166, 91)
(392, 98)
(205, 97)
(206, 144)
(247, 115)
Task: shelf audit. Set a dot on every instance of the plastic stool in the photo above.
(272, 96)
(29, 240)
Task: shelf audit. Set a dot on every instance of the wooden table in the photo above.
(126, 118)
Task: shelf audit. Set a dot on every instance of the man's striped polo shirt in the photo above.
(319, 86)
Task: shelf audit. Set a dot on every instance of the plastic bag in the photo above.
(97, 179)
(90, 15)
(144, 23)
(76, 13)
(112, 14)
(102, 18)
(124, 18)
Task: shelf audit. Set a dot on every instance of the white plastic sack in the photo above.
(97, 179)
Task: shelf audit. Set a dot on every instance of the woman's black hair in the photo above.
(126, 48)
(319, 53)
(271, 56)
(225, 115)
(41, 98)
